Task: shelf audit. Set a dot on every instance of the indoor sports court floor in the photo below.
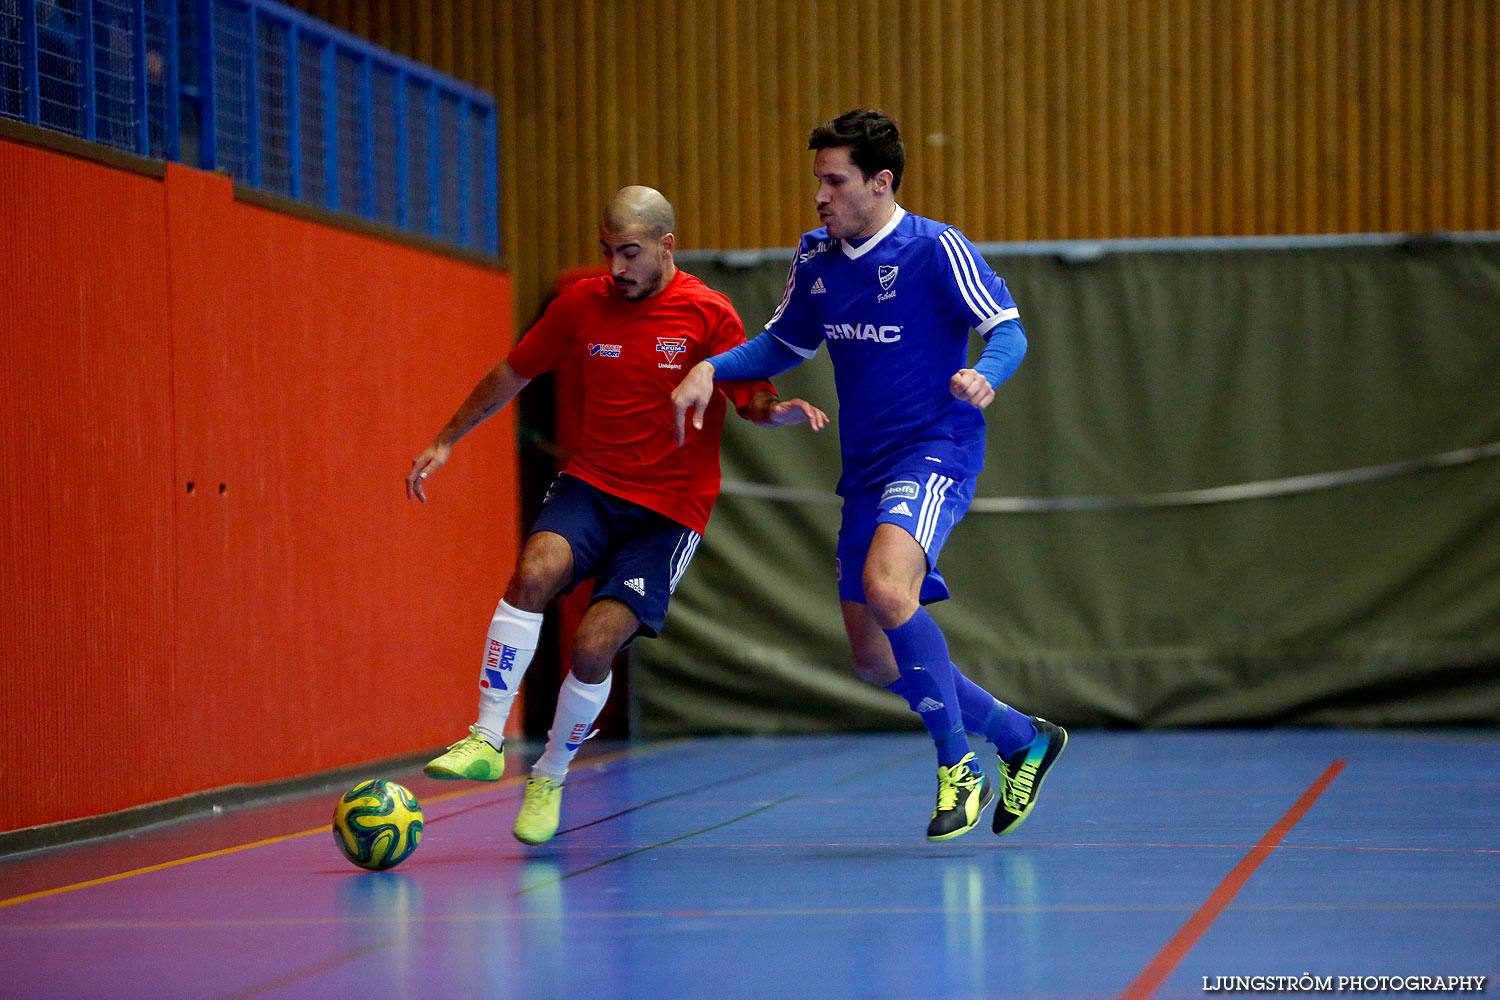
(1154, 864)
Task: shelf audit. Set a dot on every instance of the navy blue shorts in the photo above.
(632, 554)
(926, 504)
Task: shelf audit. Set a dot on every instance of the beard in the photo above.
(848, 226)
(635, 289)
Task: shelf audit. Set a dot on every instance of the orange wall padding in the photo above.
(292, 612)
(87, 551)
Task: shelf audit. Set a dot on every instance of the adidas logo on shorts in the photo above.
(901, 508)
(638, 585)
(817, 288)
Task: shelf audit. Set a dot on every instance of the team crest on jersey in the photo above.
(671, 347)
(887, 275)
(604, 350)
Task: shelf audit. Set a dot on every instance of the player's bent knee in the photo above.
(530, 590)
(542, 571)
(591, 660)
(890, 604)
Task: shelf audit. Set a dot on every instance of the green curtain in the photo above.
(1374, 601)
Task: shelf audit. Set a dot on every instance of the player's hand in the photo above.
(971, 387)
(692, 394)
(788, 412)
(423, 466)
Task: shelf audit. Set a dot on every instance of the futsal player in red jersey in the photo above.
(629, 508)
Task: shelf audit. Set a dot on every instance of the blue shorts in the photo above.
(632, 554)
(926, 504)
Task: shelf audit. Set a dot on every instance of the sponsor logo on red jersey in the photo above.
(671, 347)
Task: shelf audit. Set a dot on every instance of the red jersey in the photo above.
(632, 355)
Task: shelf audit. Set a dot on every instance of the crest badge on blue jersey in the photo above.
(887, 275)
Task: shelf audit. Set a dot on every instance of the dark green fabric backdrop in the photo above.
(1148, 373)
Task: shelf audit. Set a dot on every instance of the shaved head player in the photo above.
(630, 506)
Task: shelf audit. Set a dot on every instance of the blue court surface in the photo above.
(1153, 865)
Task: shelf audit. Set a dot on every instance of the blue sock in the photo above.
(922, 657)
(984, 715)
(1007, 729)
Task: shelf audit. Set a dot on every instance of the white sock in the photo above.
(507, 653)
(578, 705)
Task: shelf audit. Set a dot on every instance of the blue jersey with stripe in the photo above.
(895, 311)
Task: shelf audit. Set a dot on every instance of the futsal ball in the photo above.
(377, 824)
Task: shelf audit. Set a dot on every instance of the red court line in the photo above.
(1182, 942)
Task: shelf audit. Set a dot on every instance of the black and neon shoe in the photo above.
(963, 794)
(1021, 775)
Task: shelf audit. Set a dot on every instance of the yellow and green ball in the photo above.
(377, 824)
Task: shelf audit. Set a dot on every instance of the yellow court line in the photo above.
(105, 880)
(14, 900)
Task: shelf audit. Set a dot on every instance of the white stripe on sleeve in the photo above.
(996, 320)
(966, 273)
(804, 352)
(786, 297)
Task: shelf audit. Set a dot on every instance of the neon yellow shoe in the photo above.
(963, 794)
(1021, 774)
(471, 757)
(536, 823)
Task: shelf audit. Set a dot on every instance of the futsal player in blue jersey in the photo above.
(894, 296)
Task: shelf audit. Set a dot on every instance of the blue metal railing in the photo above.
(279, 100)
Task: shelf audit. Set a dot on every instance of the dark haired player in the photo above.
(629, 508)
(894, 296)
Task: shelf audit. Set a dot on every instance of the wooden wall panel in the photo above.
(1050, 120)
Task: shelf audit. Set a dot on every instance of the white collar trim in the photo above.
(855, 253)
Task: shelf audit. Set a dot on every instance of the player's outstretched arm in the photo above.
(497, 388)
(755, 359)
(767, 410)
